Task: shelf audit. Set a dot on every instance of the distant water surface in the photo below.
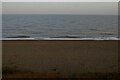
(60, 26)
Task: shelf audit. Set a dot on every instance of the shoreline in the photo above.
(60, 38)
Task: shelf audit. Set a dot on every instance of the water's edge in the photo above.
(97, 38)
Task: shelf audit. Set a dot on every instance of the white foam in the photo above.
(17, 39)
(97, 38)
(67, 39)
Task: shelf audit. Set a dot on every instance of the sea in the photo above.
(59, 27)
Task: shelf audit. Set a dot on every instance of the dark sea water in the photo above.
(60, 27)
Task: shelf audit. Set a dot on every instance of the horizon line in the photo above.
(59, 14)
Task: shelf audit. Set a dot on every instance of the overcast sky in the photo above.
(59, 0)
(90, 8)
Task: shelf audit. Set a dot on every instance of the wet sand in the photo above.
(64, 57)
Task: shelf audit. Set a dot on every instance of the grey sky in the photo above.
(91, 8)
